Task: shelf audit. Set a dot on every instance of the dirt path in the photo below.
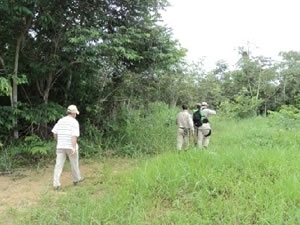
(23, 189)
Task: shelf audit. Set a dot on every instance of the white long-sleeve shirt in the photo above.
(208, 112)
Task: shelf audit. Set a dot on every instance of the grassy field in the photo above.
(249, 175)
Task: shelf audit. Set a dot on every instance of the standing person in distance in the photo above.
(66, 132)
(203, 131)
(185, 125)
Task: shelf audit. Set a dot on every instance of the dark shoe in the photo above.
(77, 182)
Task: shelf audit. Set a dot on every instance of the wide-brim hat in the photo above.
(204, 104)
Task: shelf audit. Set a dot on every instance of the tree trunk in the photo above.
(14, 94)
(68, 88)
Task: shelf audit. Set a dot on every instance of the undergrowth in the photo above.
(248, 175)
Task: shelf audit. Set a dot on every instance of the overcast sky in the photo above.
(214, 29)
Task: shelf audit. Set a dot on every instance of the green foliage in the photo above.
(133, 133)
(145, 131)
(5, 161)
(5, 88)
(35, 146)
(287, 118)
(249, 175)
(41, 113)
(6, 118)
(80, 53)
(110, 52)
(20, 79)
(241, 107)
(31, 118)
(31, 152)
(97, 55)
(92, 142)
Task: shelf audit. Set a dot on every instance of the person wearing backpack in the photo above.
(202, 128)
(185, 127)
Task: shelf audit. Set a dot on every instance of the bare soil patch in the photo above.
(24, 188)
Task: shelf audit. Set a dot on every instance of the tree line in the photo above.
(110, 56)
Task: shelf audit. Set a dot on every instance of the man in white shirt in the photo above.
(66, 132)
(185, 126)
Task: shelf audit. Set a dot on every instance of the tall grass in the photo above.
(250, 174)
(147, 132)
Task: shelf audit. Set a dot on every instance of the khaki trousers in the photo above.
(183, 139)
(61, 155)
(199, 138)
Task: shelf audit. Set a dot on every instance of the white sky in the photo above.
(214, 29)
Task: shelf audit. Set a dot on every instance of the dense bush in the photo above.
(143, 131)
(132, 133)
